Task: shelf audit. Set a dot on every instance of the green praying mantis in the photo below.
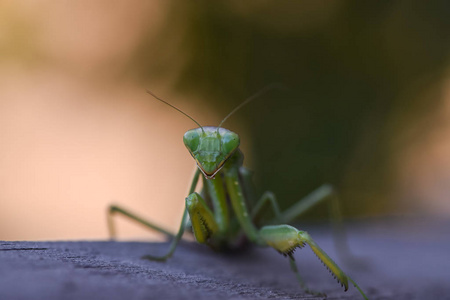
(222, 213)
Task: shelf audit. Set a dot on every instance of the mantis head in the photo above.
(211, 147)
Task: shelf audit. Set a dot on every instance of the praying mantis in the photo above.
(222, 213)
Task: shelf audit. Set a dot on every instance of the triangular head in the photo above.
(211, 147)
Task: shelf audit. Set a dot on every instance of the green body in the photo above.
(222, 215)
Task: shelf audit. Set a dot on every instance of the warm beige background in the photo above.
(77, 134)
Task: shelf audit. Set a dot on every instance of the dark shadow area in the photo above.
(357, 74)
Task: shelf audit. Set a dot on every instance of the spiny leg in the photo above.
(203, 223)
(326, 192)
(285, 239)
(113, 209)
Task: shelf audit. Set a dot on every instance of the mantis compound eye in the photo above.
(230, 142)
(191, 140)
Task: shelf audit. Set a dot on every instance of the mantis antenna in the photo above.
(253, 97)
(176, 108)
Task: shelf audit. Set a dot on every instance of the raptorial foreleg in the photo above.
(285, 239)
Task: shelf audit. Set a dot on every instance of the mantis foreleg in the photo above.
(202, 219)
(327, 193)
(285, 239)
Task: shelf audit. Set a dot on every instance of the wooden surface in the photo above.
(406, 259)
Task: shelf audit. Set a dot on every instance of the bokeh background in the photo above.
(368, 106)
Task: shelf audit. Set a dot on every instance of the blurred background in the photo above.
(368, 106)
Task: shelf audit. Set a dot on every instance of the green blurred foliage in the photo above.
(348, 65)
